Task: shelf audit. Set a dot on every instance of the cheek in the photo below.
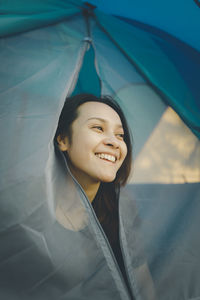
(124, 151)
(81, 148)
(123, 155)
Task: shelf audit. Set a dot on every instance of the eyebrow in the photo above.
(103, 120)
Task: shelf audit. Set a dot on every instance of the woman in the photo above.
(94, 137)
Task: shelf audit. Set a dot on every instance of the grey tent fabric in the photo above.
(66, 255)
(170, 221)
(51, 244)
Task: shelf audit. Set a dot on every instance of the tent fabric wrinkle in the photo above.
(52, 244)
(146, 55)
(22, 16)
(178, 19)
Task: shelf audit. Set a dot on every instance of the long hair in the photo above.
(106, 200)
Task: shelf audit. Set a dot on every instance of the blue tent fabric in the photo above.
(20, 16)
(180, 19)
(152, 58)
(55, 249)
(177, 65)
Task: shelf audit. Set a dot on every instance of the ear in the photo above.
(63, 143)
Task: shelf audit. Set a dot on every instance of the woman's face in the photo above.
(97, 149)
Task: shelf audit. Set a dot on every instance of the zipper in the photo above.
(87, 41)
(87, 202)
(106, 240)
(86, 44)
(125, 265)
(75, 75)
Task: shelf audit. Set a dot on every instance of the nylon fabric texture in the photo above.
(51, 244)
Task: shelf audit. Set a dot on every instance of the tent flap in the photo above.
(52, 245)
(166, 74)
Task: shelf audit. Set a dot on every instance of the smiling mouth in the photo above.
(106, 157)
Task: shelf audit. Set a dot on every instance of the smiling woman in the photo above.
(96, 149)
(93, 135)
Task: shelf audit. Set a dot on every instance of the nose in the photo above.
(111, 141)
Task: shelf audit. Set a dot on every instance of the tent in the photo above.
(51, 49)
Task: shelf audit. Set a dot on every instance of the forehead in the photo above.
(93, 109)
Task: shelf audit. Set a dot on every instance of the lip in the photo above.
(109, 153)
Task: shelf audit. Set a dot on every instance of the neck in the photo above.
(91, 190)
(89, 186)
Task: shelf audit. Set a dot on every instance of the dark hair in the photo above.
(106, 200)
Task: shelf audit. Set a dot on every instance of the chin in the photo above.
(108, 178)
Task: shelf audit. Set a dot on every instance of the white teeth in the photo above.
(106, 156)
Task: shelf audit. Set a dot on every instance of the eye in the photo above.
(120, 136)
(98, 128)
